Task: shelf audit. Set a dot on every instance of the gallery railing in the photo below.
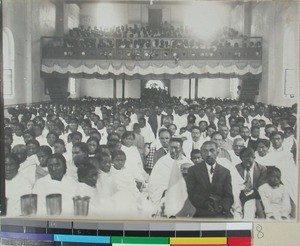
(247, 48)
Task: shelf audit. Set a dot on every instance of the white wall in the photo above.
(96, 88)
(214, 88)
(132, 88)
(104, 88)
(28, 21)
(270, 20)
(180, 87)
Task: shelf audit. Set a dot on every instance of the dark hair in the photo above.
(209, 142)
(247, 152)
(46, 149)
(83, 170)
(276, 133)
(60, 141)
(14, 157)
(58, 157)
(271, 170)
(203, 121)
(164, 130)
(33, 141)
(178, 140)
(30, 132)
(73, 134)
(117, 153)
(254, 128)
(82, 146)
(53, 133)
(215, 133)
(93, 139)
(195, 151)
(127, 134)
(100, 156)
(265, 142)
(212, 126)
(195, 127)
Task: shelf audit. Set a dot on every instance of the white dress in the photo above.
(46, 186)
(276, 201)
(14, 189)
(134, 163)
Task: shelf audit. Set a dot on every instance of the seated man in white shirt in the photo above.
(160, 175)
(146, 131)
(195, 143)
(226, 142)
(164, 138)
(18, 134)
(254, 176)
(56, 182)
(234, 132)
(79, 152)
(283, 159)
(238, 145)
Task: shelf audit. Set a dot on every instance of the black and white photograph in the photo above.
(150, 109)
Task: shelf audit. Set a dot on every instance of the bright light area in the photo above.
(108, 16)
(206, 19)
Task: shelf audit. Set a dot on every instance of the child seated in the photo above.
(43, 154)
(275, 198)
(121, 176)
(105, 183)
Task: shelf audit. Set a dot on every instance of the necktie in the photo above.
(248, 182)
(212, 170)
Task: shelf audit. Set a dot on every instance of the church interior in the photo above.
(101, 97)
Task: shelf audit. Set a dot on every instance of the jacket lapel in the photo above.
(203, 175)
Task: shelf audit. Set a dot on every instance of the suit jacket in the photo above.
(158, 154)
(153, 122)
(253, 143)
(259, 174)
(200, 189)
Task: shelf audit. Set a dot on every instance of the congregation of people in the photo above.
(143, 158)
(164, 36)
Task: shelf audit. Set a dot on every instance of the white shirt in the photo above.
(160, 176)
(14, 189)
(46, 186)
(210, 175)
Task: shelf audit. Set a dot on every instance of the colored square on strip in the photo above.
(26, 236)
(238, 233)
(140, 240)
(138, 244)
(81, 239)
(201, 244)
(197, 240)
(239, 226)
(239, 241)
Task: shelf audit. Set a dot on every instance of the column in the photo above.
(123, 88)
(196, 88)
(190, 88)
(61, 18)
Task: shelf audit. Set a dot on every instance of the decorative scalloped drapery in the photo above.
(150, 69)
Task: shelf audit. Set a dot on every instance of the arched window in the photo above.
(8, 62)
(289, 62)
(157, 84)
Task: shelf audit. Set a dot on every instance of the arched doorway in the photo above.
(155, 88)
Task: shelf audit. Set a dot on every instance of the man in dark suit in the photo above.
(155, 119)
(164, 138)
(254, 176)
(209, 185)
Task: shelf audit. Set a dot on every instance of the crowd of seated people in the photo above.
(145, 37)
(207, 158)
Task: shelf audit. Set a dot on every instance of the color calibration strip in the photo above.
(66, 233)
